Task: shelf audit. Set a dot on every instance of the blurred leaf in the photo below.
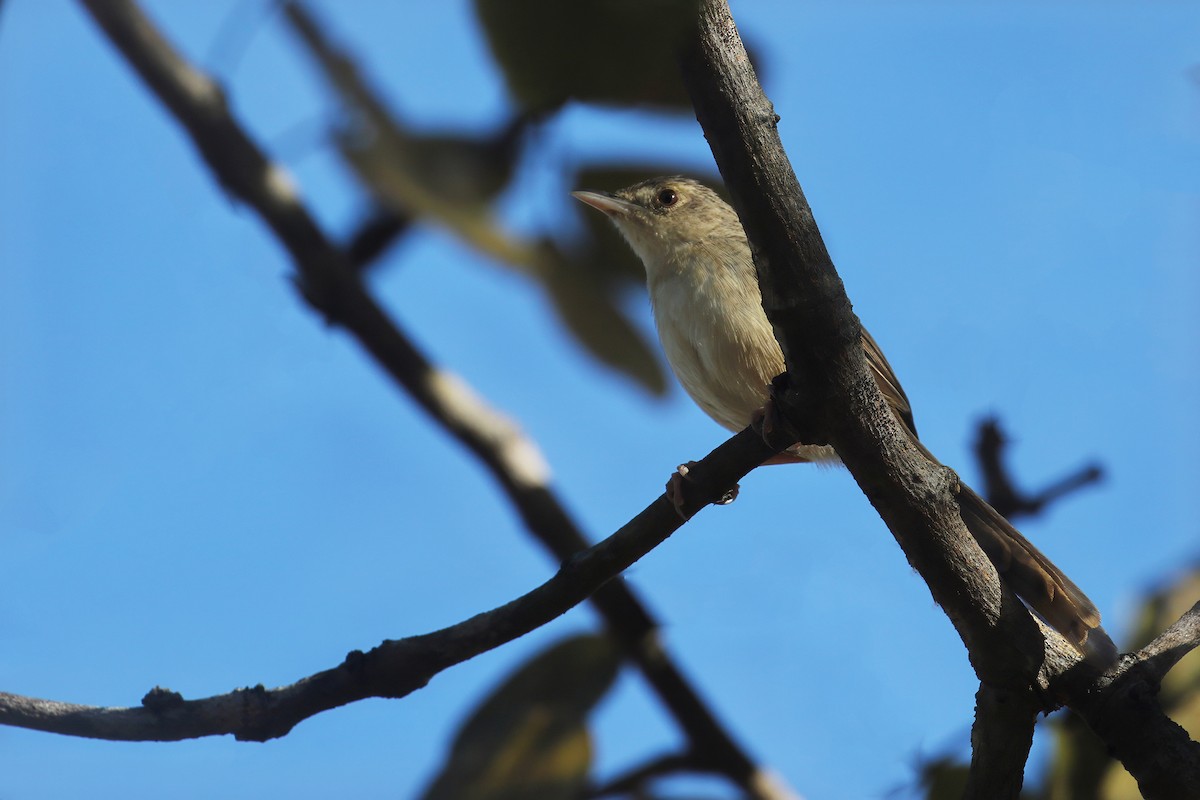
(602, 51)
(943, 778)
(1080, 761)
(447, 178)
(528, 740)
(451, 181)
(443, 173)
(583, 299)
(399, 172)
(587, 306)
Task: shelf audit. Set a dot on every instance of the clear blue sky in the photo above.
(202, 487)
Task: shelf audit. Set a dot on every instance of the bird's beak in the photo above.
(610, 204)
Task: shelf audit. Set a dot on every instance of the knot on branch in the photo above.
(689, 492)
(160, 700)
(324, 294)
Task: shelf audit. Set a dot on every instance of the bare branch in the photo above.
(379, 231)
(841, 405)
(1155, 750)
(1003, 494)
(1000, 742)
(1123, 709)
(637, 779)
(840, 401)
(394, 668)
(330, 284)
(1156, 659)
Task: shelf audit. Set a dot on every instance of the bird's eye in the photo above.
(667, 198)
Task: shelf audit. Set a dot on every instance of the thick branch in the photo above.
(1122, 707)
(1000, 742)
(842, 405)
(833, 390)
(330, 284)
(394, 668)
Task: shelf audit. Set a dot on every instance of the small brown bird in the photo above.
(710, 319)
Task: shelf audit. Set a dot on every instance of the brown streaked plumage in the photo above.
(709, 315)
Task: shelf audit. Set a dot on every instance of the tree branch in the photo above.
(999, 488)
(833, 394)
(637, 780)
(380, 229)
(1000, 742)
(330, 284)
(1122, 707)
(396, 667)
(1157, 658)
(831, 389)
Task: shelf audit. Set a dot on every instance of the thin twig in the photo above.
(1157, 658)
(638, 778)
(374, 235)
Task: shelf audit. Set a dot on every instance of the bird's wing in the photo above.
(888, 383)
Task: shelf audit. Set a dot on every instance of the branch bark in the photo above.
(394, 668)
(1000, 742)
(330, 284)
(832, 393)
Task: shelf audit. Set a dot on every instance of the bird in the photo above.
(718, 341)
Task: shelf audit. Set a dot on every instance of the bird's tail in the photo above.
(1035, 579)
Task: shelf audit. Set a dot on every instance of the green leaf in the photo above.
(620, 52)
(528, 740)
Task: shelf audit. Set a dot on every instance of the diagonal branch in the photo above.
(1122, 708)
(394, 668)
(806, 302)
(833, 391)
(1157, 658)
(330, 284)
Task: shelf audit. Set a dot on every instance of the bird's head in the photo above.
(662, 216)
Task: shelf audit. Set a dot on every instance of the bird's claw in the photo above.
(682, 492)
(775, 429)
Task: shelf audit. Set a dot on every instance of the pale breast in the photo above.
(718, 342)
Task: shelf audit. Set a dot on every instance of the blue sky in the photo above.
(203, 487)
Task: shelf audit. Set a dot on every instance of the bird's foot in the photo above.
(777, 429)
(684, 493)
